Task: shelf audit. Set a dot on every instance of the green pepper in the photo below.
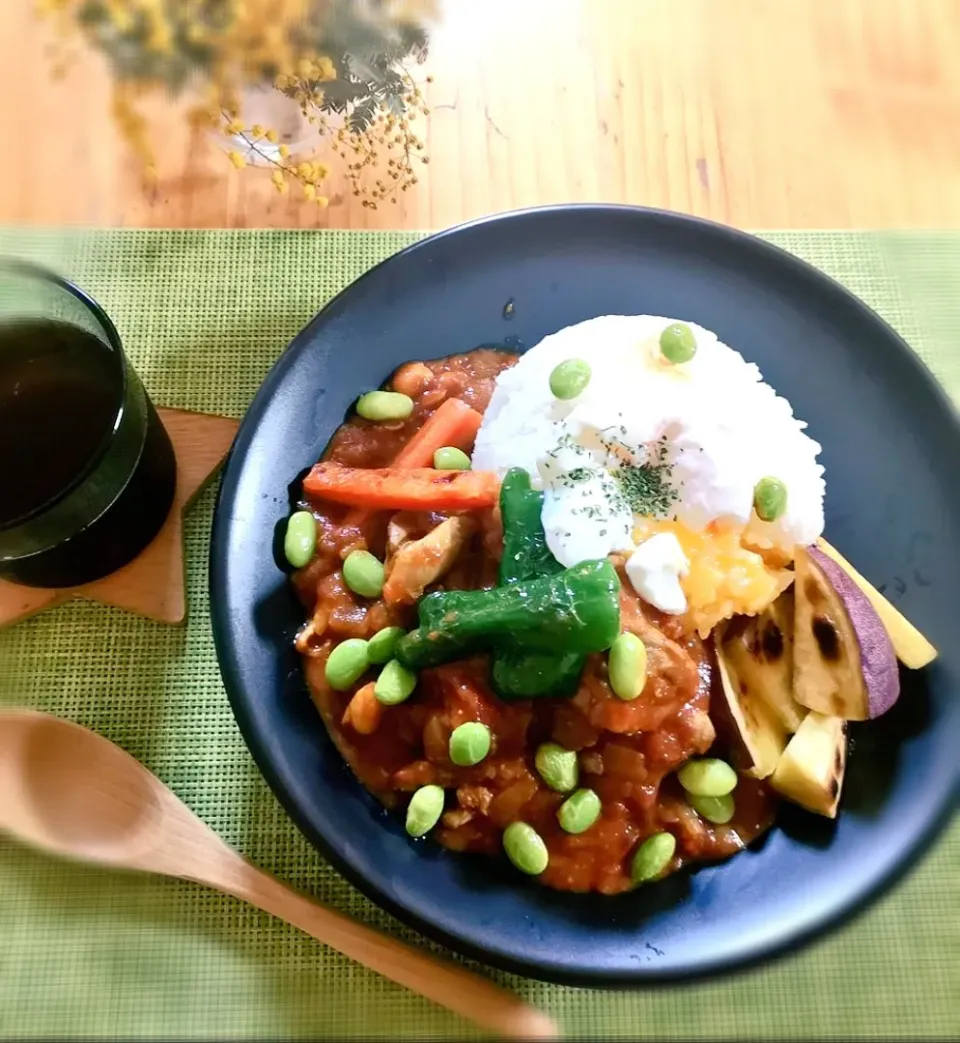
(427, 647)
(516, 673)
(577, 610)
(525, 551)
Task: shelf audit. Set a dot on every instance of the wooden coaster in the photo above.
(153, 584)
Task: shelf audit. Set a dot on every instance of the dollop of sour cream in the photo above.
(655, 568)
(650, 438)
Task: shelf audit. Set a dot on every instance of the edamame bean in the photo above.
(707, 777)
(718, 810)
(678, 343)
(300, 539)
(525, 848)
(380, 647)
(769, 499)
(449, 458)
(424, 810)
(469, 744)
(346, 664)
(384, 405)
(652, 857)
(559, 768)
(627, 666)
(395, 684)
(579, 811)
(363, 573)
(570, 378)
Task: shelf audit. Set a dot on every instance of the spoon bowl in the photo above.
(72, 793)
(75, 794)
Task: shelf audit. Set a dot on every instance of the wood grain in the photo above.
(760, 113)
(153, 584)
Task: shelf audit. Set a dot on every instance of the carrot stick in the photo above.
(453, 422)
(417, 489)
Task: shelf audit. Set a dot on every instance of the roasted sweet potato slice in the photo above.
(810, 772)
(758, 650)
(844, 664)
(757, 734)
(912, 648)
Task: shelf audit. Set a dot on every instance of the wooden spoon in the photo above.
(75, 794)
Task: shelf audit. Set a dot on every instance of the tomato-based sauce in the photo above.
(627, 750)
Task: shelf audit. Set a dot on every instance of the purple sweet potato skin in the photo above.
(878, 660)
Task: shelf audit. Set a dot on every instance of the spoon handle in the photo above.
(453, 987)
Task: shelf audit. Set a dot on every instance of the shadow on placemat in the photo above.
(90, 953)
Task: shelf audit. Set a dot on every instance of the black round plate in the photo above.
(890, 448)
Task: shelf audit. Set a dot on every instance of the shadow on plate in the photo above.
(875, 746)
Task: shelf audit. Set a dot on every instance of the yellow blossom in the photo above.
(243, 41)
(119, 15)
(203, 116)
(325, 69)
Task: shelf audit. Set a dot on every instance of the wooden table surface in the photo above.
(759, 113)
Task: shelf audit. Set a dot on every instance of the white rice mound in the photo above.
(724, 428)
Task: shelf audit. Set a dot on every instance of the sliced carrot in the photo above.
(389, 488)
(453, 422)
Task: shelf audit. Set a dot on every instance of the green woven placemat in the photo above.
(85, 952)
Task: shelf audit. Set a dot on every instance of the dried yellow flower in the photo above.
(244, 43)
(325, 69)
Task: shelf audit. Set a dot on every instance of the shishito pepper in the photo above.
(577, 610)
(525, 551)
(516, 672)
